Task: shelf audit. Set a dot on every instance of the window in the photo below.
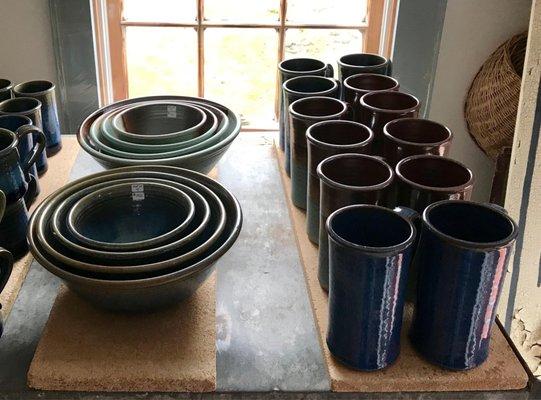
(227, 50)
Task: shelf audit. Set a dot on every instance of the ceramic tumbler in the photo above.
(6, 260)
(15, 178)
(356, 86)
(406, 137)
(14, 123)
(325, 139)
(45, 92)
(298, 88)
(5, 89)
(359, 63)
(304, 113)
(378, 108)
(13, 228)
(462, 258)
(31, 108)
(291, 68)
(370, 249)
(347, 179)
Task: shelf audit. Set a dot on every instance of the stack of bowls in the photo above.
(135, 238)
(188, 132)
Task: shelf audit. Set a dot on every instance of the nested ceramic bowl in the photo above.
(201, 160)
(130, 216)
(67, 247)
(150, 290)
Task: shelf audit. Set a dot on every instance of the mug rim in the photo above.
(319, 117)
(388, 110)
(37, 105)
(338, 185)
(389, 136)
(341, 63)
(14, 143)
(346, 83)
(372, 249)
(326, 145)
(444, 189)
(311, 94)
(5, 85)
(17, 87)
(466, 243)
(290, 71)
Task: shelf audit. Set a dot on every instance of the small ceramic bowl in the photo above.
(130, 216)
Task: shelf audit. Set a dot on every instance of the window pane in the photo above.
(324, 44)
(160, 10)
(240, 71)
(334, 12)
(246, 11)
(161, 61)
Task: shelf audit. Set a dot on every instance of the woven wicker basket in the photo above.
(492, 101)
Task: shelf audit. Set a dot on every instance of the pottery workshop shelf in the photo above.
(263, 338)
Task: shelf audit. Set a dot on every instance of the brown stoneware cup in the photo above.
(406, 137)
(347, 179)
(356, 86)
(357, 63)
(325, 139)
(304, 113)
(379, 108)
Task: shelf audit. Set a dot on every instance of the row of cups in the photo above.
(29, 133)
(379, 189)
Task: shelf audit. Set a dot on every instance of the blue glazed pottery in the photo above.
(462, 259)
(362, 63)
(6, 260)
(44, 91)
(5, 89)
(31, 108)
(13, 228)
(370, 249)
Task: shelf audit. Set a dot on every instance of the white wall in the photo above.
(472, 30)
(26, 45)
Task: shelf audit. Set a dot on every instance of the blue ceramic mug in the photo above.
(462, 259)
(6, 259)
(5, 89)
(13, 228)
(370, 248)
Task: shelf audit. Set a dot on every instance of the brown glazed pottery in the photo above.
(347, 179)
(412, 136)
(325, 139)
(356, 86)
(304, 113)
(378, 108)
(357, 63)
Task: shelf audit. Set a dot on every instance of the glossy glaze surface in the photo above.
(356, 86)
(368, 273)
(462, 259)
(6, 265)
(5, 89)
(13, 228)
(357, 63)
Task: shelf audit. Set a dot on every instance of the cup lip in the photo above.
(13, 144)
(307, 72)
(5, 85)
(446, 189)
(37, 105)
(321, 117)
(326, 145)
(387, 110)
(371, 249)
(24, 118)
(466, 243)
(398, 121)
(342, 63)
(390, 78)
(17, 88)
(312, 94)
(338, 185)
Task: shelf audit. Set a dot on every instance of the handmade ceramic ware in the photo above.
(31, 108)
(370, 249)
(13, 228)
(302, 114)
(357, 63)
(6, 261)
(325, 139)
(139, 215)
(347, 179)
(5, 89)
(45, 92)
(406, 137)
(462, 259)
(378, 108)
(291, 68)
(356, 86)
(298, 88)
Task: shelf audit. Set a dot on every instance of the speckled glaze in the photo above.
(5, 89)
(406, 137)
(304, 113)
(291, 68)
(325, 139)
(31, 108)
(347, 179)
(378, 108)
(357, 63)
(368, 273)
(298, 88)
(356, 86)
(45, 92)
(462, 259)
(13, 228)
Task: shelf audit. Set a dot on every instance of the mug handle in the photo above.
(31, 191)
(329, 71)
(36, 150)
(6, 266)
(390, 68)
